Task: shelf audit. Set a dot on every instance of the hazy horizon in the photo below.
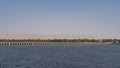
(98, 18)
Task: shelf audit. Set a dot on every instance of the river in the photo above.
(60, 56)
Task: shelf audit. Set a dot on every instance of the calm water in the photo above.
(60, 56)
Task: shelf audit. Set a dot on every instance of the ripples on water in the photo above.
(60, 56)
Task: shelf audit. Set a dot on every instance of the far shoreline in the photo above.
(56, 41)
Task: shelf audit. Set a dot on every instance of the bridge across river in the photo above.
(31, 43)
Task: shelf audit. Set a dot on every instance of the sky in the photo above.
(67, 17)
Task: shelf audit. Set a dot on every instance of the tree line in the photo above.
(61, 40)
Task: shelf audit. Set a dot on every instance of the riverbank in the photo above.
(57, 41)
(48, 43)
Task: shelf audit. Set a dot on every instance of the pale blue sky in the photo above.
(74, 17)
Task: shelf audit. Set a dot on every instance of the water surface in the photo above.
(60, 56)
